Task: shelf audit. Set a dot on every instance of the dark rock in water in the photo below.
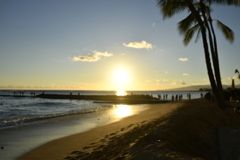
(2, 147)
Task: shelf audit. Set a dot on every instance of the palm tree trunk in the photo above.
(207, 57)
(216, 60)
(214, 53)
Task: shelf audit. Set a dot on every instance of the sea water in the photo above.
(28, 122)
(15, 111)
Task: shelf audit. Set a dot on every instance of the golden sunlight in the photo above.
(123, 111)
(121, 76)
(121, 93)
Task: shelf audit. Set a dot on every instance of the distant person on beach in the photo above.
(176, 98)
(172, 97)
(189, 96)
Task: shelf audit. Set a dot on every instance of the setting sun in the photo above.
(121, 93)
(121, 76)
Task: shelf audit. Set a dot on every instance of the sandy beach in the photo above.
(61, 148)
(179, 130)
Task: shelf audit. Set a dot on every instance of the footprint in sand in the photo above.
(86, 147)
(102, 140)
(130, 125)
(144, 121)
(122, 129)
(100, 146)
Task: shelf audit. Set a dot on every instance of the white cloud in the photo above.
(153, 80)
(96, 56)
(183, 59)
(234, 77)
(174, 81)
(139, 45)
(185, 74)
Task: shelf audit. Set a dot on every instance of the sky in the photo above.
(105, 45)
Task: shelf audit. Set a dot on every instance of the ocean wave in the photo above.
(26, 120)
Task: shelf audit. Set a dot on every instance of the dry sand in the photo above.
(179, 130)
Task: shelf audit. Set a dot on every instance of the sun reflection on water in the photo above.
(123, 111)
(121, 93)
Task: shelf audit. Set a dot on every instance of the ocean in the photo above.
(15, 111)
(28, 122)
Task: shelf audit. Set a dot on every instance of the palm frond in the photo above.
(189, 34)
(225, 2)
(171, 7)
(227, 32)
(186, 23)
(198, 35)
(236, 71)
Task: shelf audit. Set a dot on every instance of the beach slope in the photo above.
(60, 148)
(179, 130)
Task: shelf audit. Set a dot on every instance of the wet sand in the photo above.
(179, 130)
(23, 138)
(61, 148)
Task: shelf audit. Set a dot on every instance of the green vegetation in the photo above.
(236, 71)
(199, 20)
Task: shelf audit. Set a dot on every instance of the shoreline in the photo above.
(23, 138)
(163, 131)
(112, 99)
(60, 148)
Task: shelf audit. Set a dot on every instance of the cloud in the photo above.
(174, 81)
(178, 83)
(183, 59)
(185, 74)
(96, 56)
(234, 77)
(154, 24)
(139, 45)
(170, 81)
(153, 80)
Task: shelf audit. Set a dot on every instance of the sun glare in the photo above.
(121, 76)
(123, 111)
(121, 93)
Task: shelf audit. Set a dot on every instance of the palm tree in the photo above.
(236, 71)
(189, 26)
(200, 20)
